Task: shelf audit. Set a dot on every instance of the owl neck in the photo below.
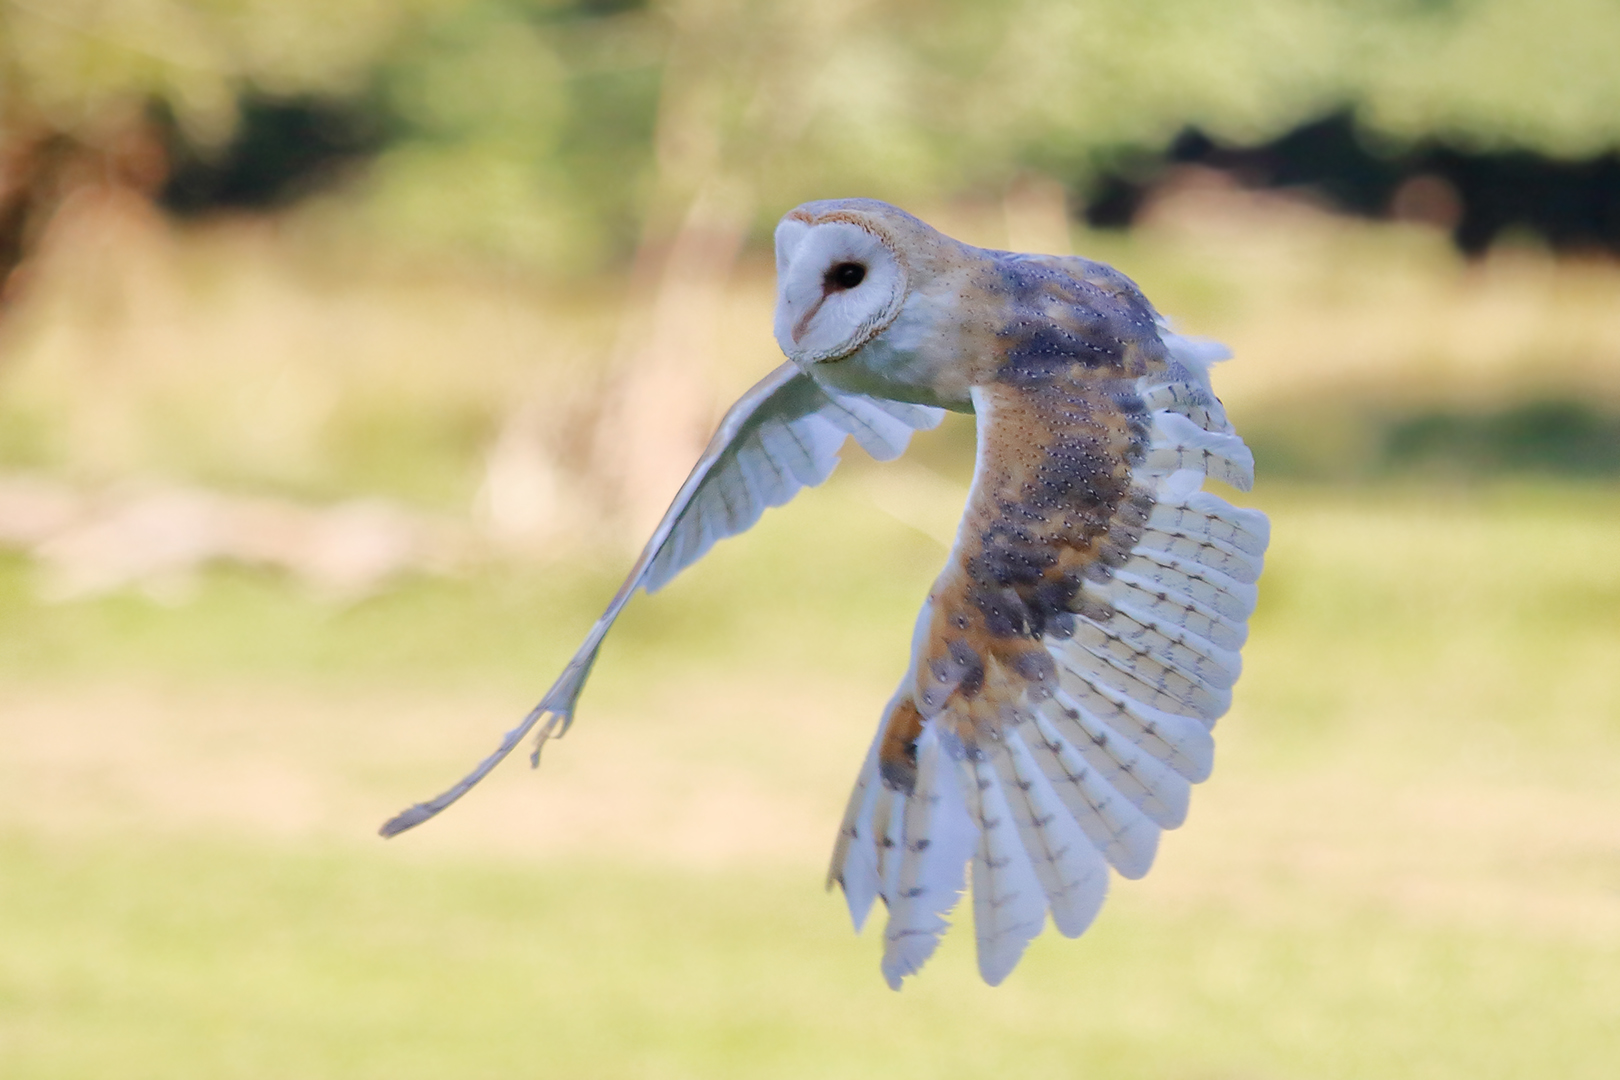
(917, 358)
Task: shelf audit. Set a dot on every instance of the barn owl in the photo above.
(1083, 637)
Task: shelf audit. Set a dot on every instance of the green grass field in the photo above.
(1407, 863)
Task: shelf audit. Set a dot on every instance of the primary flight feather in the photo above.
(1084, 634)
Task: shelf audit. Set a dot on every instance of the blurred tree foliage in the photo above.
(569, 133)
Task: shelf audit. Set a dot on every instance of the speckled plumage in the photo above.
(1083, 635)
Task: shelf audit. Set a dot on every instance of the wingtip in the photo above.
(405, 819)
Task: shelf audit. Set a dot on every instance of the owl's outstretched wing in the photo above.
(783, 435)
(1068, 665)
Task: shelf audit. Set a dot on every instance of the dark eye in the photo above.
(846, 275)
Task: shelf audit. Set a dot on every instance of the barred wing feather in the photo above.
(783, 435)
(1076, 734)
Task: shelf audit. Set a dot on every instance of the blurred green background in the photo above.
(347, 351)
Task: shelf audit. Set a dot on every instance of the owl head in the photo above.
(843, 274)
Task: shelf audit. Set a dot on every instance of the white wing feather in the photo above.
(1094, 772)
(1009, 906)
(782, 436)
(1185, 387)
(1070, 868)
(935, 842)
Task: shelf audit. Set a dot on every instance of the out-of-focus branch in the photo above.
(41, 167)
(30, 173)
(657, 420)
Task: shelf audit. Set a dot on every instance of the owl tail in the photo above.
(911, 849)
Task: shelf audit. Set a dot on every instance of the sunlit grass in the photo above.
(1402, 867)
(172, 959)
(1441, 618)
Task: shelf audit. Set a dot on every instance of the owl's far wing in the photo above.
(783, 435)
(1066, 670)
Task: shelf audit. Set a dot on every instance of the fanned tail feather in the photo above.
(911, 850)
(1009, 906)
(934, 844)
(888, 824)
(1071, 871)
(855, 856)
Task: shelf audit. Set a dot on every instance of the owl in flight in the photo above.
(1083, 637)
